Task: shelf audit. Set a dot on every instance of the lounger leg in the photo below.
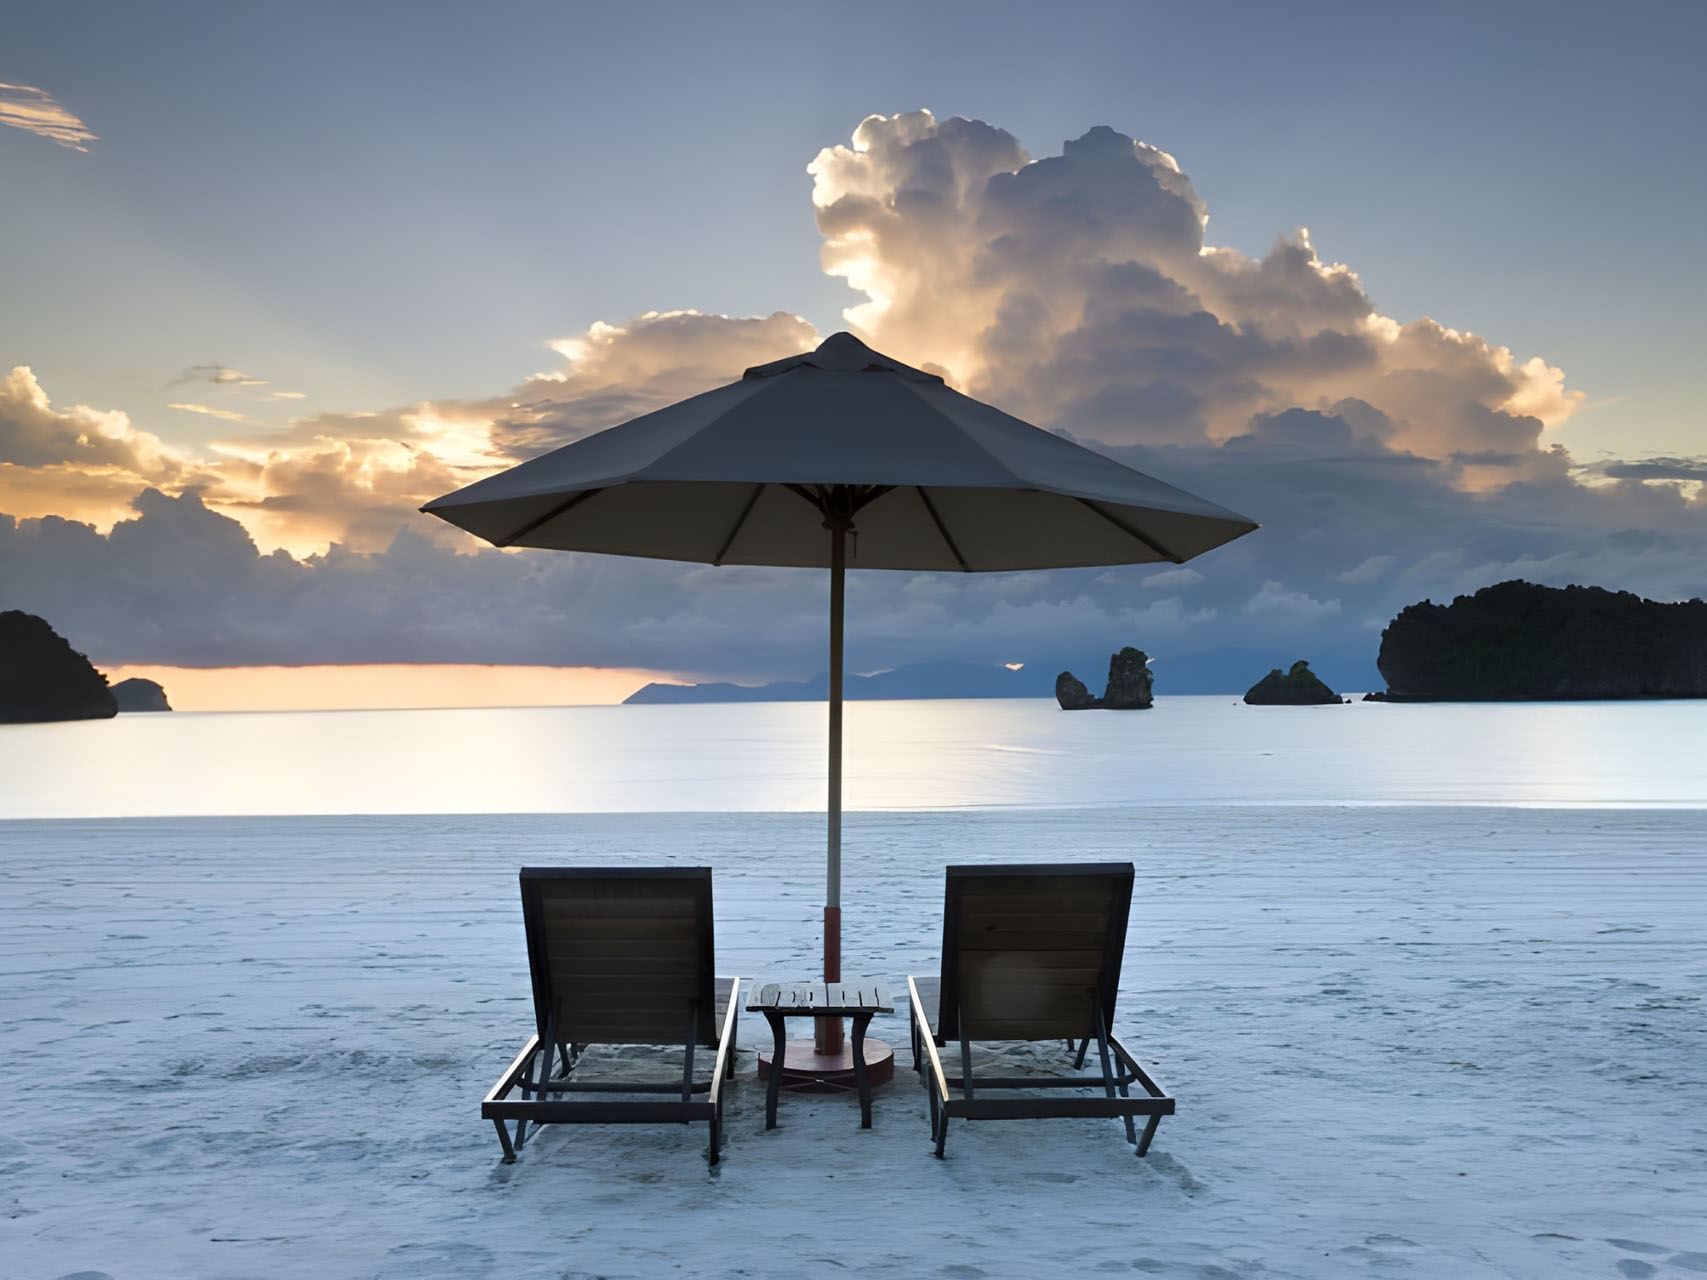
(941, 1133)
(504, 1137)
(538, 1074)
(527, 1087)
(687, 1055)
(1149, 1132)
(1079, 1062)
(860, 1022)
(966, 1066)
(778, 1054)
(918, 1045)
(1108, 1079)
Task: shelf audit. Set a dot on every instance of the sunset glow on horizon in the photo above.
(385, 686)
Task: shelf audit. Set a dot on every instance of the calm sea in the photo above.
(900, 755)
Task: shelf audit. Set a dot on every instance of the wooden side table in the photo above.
(780, 1001)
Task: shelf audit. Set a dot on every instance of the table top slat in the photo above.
(832, 999)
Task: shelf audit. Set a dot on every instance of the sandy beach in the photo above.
(1439, 1042)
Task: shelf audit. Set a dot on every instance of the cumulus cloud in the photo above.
(1080, 290)
(1275, 598)
(36, 111)
(613, 372)
(75, 460)
(34, 434)
(356, 478)
(1388, 459)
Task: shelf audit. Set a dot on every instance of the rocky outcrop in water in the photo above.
(1071, 693)
(1518, 641)
(1128, 681)
(1299, 687)
(1128, 687)
(137, 694)
(43, 678)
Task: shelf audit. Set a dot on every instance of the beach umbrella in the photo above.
(834, 458)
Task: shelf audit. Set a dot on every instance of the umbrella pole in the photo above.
(829, 1033)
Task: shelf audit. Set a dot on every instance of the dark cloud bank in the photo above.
(1387, 462)
(1348, 538)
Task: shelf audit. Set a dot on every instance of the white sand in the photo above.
(1442, 1042)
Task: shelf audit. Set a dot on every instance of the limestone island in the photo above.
(1128, 687)
(1299, 687)
(1517, 641)
(137, 694)
(42, 678)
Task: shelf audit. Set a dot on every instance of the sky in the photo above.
(302, 267)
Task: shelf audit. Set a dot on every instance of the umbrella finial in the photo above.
(841, 352)
(843, 345)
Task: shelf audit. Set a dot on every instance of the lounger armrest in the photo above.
(922, 1020)
(725, 1041)
(513, 1072)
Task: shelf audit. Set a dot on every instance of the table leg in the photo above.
(778, 1055)
(860, 1022)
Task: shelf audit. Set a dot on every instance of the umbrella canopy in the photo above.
(840, 455)
(938, 481)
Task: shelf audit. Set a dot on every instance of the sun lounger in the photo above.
(619, 956)
(1031, 953)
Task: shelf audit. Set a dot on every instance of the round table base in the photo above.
(805, 1070)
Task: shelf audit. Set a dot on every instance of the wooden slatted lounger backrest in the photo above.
(1029, 951)
(621, 953)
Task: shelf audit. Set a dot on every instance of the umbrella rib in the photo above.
(819, 496)
(870, 494)
(806, 495)
(740, 520)
(1130, 532)
(569, 503)
(942, 528)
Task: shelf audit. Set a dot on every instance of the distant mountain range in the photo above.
(918, 680)
(1230, 671)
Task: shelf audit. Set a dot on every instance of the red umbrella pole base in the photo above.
(806, 1070)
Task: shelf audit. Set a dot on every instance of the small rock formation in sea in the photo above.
(137, 694)
(43, 678)
(1128, 681)
(1128, 686)
(1518, 641)
(1071, 693)
(1299, 687)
